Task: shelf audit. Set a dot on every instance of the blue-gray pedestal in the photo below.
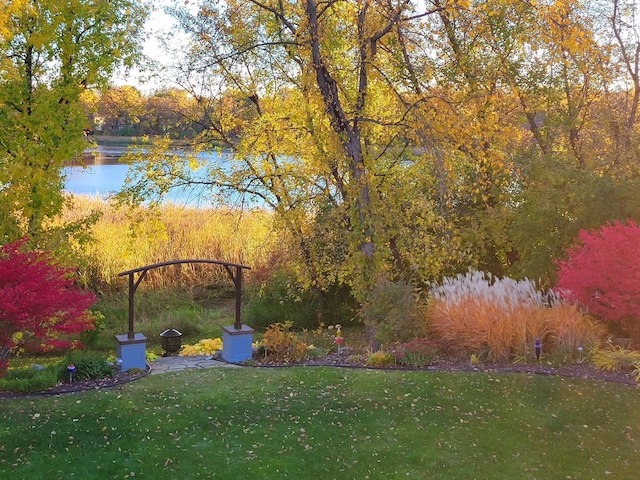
(132, 351)
(237, 344)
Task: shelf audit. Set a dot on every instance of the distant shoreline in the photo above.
(115, 140)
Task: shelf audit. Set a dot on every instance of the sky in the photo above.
(158, 23)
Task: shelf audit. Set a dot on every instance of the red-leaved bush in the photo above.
(40, 306)
(602, 272)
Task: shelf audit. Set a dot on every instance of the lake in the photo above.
(104, 175)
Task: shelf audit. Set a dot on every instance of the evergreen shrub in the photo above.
(89, 365)
(282, 298)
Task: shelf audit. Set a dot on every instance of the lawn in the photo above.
(305, 422)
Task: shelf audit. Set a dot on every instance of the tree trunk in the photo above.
(348, 131)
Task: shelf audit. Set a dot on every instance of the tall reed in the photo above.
(124, 240)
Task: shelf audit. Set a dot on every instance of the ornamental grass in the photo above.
(568, 328)
(499, 319)
(615, 358)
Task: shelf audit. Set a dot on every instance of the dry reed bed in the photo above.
(127, 239)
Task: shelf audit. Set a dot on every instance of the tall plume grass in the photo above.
(499, 319)
(126, 240)
(569, 328)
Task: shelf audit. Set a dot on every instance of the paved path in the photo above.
(177, 363)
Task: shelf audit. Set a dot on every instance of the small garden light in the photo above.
(538, 347)
(71, 368)
(580, 350)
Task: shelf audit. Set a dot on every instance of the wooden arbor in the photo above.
(233, 269)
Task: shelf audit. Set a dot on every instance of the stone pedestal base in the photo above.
(132, 351)
(236, 344)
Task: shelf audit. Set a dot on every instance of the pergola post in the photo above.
(238, 281)
(132, 291)
(237, 340)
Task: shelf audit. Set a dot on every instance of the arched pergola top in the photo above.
(178, 262)
(142, 271)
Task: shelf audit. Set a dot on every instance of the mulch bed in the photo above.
(577, 370)
(119, 379)
(582, 370)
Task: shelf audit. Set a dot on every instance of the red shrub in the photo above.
(417, 353)
(602, 272)
(39, 300)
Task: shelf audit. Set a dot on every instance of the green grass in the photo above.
(327, 423)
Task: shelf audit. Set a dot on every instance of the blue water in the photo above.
(104, 176)
(95, 180)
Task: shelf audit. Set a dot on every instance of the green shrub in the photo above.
(391, 312)
(338, 305)
(29, 380)
(89, 365)
(283, 299)
(89, 338)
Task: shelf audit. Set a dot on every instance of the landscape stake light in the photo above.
(71, 368)
(538, 347)
(580, 350)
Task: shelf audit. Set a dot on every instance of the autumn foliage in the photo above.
(40, 306)
(602, 272)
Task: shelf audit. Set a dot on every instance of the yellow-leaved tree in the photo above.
(315, 107)
(50, 53)
(394, 139)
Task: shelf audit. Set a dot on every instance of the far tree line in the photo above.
(126, 111)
